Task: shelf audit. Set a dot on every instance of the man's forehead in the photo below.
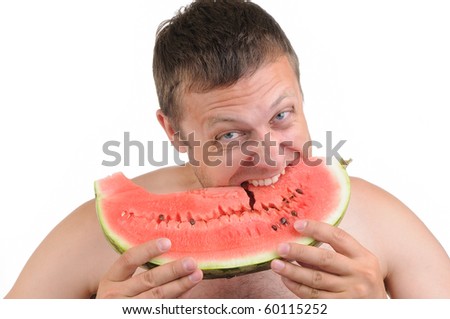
(280, 67)
(224, 118)
(261, 91)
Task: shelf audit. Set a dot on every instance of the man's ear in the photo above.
(172, 134)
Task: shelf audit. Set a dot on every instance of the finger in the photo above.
(314, 257)
(306, 292)
(161, 275)
(174, 288)
(309, 277)
(136, 256)
(337, 238)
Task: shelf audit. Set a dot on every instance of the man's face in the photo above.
(248, 132)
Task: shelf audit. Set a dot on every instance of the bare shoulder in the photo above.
(75, 255)
(381, 211)
(373, 212)
(68, 261)
(374, 203)
(410, 256)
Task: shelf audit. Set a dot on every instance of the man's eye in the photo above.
(228, 136)
(281, 116)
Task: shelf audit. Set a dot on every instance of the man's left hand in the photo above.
(348, 271)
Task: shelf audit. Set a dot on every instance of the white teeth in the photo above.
(267, 181)
(283, 171)
(275, 178)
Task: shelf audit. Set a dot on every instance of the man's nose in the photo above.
(263, 151)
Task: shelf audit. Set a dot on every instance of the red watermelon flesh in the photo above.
(228, 230)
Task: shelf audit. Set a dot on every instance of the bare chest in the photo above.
(266, 285)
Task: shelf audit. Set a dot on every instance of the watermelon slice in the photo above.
(228, 230)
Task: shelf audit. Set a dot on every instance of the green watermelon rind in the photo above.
(118, 243)
(248, 264)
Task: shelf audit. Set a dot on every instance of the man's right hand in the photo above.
(166, 281)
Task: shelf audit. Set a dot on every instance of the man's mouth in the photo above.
(266, 181)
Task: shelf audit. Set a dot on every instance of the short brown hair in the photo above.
(211, 44)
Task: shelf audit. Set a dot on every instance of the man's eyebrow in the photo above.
(279, 99)
(220, 119)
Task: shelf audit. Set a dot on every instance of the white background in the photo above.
(75, 74)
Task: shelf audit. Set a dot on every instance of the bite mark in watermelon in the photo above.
(229, 231)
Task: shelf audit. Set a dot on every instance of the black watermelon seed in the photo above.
(274, 227)
(283, 221)
(298, 190)
(161, 217)
(271, 205)
(192, 221)
(294, 213)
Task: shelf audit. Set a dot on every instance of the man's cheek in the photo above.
(212, 153)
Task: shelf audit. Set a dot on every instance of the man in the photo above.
(226, 72)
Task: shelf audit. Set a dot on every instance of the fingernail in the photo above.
(300, 225)
(196, 276)
(164, 244)
(277, 265)
(189, 264)
(283, 249)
